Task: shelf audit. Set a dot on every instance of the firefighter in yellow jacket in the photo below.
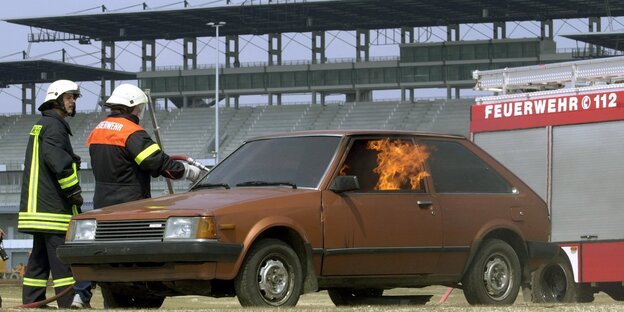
(51, 194)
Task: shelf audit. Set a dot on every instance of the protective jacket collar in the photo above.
(53, 114)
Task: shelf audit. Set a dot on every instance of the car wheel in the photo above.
(494, 275)
(553, 282)
(271, 275)
(351, 296)
(121, 297)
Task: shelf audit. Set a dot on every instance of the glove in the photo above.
(76, 199)
(191, 172)
(77, 160)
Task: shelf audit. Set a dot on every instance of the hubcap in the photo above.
(497, 277)
(273, 280)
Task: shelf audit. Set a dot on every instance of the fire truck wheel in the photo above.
(553, 282)
(494, 275)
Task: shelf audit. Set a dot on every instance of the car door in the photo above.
(474, 197)
(380, 229)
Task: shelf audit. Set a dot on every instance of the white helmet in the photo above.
(127, 95)
(56, 90)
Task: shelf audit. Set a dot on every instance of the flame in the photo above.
(398, 162)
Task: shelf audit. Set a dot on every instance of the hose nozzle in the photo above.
(191, 161)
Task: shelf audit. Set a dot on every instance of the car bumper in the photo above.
(162, 273)
(148, 252)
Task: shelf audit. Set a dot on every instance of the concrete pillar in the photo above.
(318, 47)
(107, 62)
(190, 53)
(452, 32)
(499, 30)
(594, 25)
(407, 93)
(546, 28)
(148, 54)
(318, 97)
(275, 49)
(407, 34)
(29, 97)
(362, 38)
(232, 51)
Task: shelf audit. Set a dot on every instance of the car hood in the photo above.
(203, 202)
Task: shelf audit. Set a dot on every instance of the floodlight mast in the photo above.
(216, 104)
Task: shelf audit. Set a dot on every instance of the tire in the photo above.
(271, 275)
(494, 275)
(351, 297)
(121, 297)
(553, 282)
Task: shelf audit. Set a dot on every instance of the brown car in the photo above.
(351, 212)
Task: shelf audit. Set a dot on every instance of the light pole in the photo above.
(216, 104)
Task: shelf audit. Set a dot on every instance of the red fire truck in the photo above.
(560, 128)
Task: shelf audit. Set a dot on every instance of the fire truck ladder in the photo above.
(551, 76)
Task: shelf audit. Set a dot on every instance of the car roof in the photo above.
(357, 132)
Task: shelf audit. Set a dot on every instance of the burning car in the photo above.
(351, 212)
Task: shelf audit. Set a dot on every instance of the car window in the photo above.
(298, 160)
(386, 164)
(455, 169)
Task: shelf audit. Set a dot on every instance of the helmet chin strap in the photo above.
(61, 105)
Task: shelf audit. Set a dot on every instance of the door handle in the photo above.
(424, 203)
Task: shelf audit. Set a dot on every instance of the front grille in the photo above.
(130, 230)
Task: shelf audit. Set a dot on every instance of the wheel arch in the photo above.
(514, 240)
(301, 247)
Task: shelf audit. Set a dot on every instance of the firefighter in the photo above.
(124, 157)
(51, 194)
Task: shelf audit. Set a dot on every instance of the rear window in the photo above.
(456, 169)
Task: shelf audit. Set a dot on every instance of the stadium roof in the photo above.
(282, 17)
(610, 40)
(41, 71)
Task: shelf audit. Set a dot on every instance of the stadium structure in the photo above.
(186, 93)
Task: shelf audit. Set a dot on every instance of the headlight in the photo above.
(82, 230)
(190, 228)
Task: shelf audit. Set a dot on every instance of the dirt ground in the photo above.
(11, 296)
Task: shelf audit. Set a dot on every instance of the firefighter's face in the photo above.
(69, 102)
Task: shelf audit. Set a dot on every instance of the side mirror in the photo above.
(344, 184)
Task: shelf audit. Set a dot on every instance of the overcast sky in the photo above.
(253, 48)
(15, 41)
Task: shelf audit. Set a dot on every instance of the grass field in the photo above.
(11, 295)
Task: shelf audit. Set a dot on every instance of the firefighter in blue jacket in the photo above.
(51, 194)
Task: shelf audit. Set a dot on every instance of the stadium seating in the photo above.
(190, 131)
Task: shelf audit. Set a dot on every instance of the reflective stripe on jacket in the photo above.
(123, 158)
(50, 177)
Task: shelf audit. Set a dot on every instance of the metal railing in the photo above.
(284, 63)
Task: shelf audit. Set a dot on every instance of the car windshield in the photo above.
(291, 161)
